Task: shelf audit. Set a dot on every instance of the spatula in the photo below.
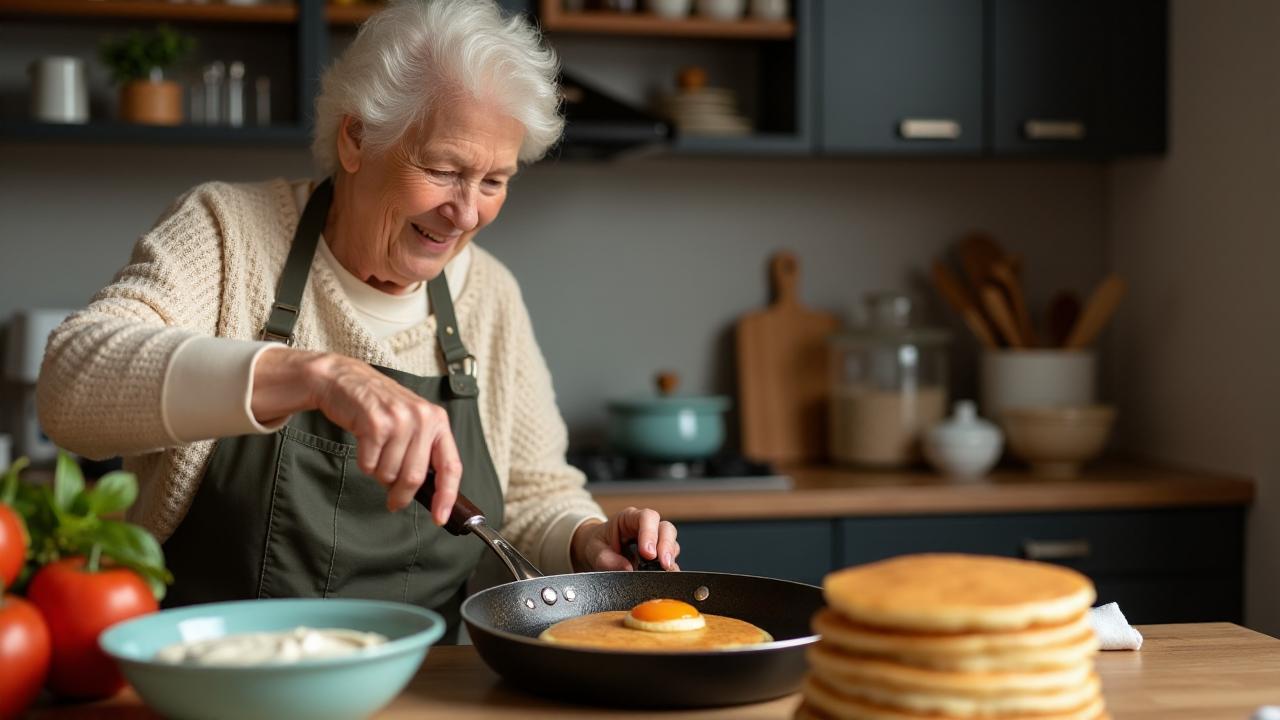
(1002, 272)
(993, 301)
(1101, 306)
(957, 296)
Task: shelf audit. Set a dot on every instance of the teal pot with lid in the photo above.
(668, 426)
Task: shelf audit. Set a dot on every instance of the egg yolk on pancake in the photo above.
(661, 624)
(663, 615)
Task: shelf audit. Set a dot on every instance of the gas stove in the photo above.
(613, 473)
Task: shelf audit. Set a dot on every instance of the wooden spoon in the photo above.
(978, 252)
(1064, 311)
(954, 292)
(1101, 306)
(1002, 272)
(993, 301)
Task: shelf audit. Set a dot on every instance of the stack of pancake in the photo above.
(937, 637)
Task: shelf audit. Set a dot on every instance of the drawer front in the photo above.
(790, 550)
(1098, 544)
(1175, 599)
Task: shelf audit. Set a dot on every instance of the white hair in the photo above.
(408, 56)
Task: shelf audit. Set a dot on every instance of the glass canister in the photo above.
(889, 385)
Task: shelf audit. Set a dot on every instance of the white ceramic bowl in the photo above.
(1057, 441)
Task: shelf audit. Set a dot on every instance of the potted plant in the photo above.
(137, 62)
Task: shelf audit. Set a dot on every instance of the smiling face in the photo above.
(401, 214)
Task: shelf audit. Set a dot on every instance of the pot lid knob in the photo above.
(667, 382)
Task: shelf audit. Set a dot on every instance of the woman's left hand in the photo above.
(598, 545)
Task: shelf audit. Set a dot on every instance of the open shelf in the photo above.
(291, 135)
(350, 14)
(151, 10)
(555, 19)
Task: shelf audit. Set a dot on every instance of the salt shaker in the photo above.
(235, 94)
(213, 76)
(964, 446)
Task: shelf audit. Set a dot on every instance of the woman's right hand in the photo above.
(398, 434)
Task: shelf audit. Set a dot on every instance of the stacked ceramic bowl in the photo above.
(705, 111)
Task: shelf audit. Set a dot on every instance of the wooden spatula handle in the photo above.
(953, 291)
(784, 271)
(1002, 270)
(1097, 312)
(997, 308)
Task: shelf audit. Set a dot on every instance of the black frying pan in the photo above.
(504, 623)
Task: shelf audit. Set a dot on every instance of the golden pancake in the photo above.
(835, 704)
(830, 663)
(959, 704)
(853, 637)
(958, 593)
(1072, 653)
(607, 630)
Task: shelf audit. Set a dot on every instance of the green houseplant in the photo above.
(137, 62)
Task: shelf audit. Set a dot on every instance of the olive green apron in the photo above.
(290, 514)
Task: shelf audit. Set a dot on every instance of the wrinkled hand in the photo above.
(398, 434)
(599, 545)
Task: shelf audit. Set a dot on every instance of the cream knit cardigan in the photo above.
(210, 267)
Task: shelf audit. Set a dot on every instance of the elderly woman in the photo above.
(285, 364)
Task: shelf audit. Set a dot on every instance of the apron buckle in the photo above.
(466, 366)
(279, 319)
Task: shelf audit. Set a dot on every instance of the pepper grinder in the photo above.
(235, 94)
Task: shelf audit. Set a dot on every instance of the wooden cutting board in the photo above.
(783, 373)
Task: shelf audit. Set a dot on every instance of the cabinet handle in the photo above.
(929, 129)
(1055, 549)
(1054, 130)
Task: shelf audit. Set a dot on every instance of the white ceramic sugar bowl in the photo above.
(964, 445)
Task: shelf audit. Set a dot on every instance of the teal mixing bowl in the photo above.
(323, 689)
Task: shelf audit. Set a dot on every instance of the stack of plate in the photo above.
(705, 111)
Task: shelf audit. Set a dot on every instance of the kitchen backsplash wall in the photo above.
(627, 267)
(1196, 354)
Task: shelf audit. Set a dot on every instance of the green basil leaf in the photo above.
(68, 483)
(129, 543)
(115, 492)
(9, 491)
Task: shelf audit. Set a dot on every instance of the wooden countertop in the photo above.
(834, 492)
(1209, 671)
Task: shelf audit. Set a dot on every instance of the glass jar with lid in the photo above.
(889, 385)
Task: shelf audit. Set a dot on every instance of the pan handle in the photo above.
(465, 518)
(632, 553)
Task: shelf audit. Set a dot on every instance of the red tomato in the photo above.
(78, 605)
(13, 546)
(24, 655)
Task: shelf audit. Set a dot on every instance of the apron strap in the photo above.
(293, 281)
(460, 362)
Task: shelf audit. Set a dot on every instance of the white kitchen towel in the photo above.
(1267, 712)
(1114, 632)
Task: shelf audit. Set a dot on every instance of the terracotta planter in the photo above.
(151, 102)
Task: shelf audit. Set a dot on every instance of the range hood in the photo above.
(599, 126)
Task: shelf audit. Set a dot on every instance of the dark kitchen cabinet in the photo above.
(1047, 77)
(901, 76)
(1077, 78)
(800, 550)
(1171, 565)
